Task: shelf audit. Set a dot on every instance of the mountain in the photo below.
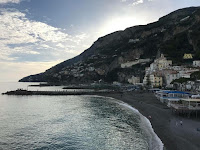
(123, 54)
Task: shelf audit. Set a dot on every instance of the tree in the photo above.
(195, 75)
(148, 81)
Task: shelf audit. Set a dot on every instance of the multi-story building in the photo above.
(170, 76)
(160, 64)
(196, 63)
(154, 80)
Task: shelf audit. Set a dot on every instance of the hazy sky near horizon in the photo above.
(37, 34)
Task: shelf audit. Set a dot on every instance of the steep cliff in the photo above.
(174, 34)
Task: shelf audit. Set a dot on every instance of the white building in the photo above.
(91, 69)
(184, 74)
(160, 64)
(134, 80)
(196, 63)
(177, 68)
(174, 74)
(170, 77)
(153, 67)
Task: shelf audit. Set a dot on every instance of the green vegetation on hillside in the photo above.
(177, 47)
(195, 75)
(169, 35)
(181, 80)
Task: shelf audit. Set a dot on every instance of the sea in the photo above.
(71, 122)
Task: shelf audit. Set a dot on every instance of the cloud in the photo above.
(136, 2)
(9, 1)
(21, 36)
(60, 45)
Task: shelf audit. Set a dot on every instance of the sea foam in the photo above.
(155, 142)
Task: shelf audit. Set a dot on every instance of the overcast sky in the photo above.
(37, 34)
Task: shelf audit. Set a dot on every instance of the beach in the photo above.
(85, 122)
(165, 124)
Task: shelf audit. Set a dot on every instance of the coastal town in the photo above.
(81, 88)
(176, 86)
(163, 74)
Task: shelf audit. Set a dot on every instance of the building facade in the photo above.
(196, 63)
(153, 80)
(134, 80)
(187, 56)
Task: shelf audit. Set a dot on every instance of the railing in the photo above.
(179, 106)
(184, 107)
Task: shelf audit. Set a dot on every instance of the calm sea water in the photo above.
(71, 123)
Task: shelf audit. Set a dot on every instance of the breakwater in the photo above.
(26, 92)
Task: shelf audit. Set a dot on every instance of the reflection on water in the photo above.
(69, 122)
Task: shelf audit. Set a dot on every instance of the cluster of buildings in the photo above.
(161, 72)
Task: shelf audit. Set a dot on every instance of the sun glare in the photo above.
(120, 23)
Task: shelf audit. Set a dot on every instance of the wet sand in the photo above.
(166, 125)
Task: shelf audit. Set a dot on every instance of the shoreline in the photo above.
(165, 124)
(147, 126)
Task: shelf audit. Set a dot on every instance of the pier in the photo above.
(26, 92)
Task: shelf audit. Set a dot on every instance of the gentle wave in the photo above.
(155, 142)
(72, 122)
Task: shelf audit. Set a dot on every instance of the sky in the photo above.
(38, 34)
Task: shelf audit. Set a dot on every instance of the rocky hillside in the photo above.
(123, 54)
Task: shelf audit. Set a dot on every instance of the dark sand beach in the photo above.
(166, 125)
